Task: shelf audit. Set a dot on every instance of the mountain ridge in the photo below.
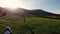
(21, 12)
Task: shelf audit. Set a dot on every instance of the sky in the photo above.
(47, 5)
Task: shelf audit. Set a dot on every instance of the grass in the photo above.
(33, 25)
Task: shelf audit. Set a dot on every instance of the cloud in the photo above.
(28, 4)
(55, 11)
(10, 3)
(31, 4)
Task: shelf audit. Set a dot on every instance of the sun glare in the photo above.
(11, 3)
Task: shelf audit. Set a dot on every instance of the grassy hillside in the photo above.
(32, 25)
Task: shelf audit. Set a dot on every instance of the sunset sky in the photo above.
(47, 5)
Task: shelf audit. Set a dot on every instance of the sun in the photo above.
(12, 3)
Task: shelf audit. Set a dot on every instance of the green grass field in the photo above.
(33, 25)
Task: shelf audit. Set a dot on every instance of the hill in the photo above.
(18, 13)
(42, 13)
